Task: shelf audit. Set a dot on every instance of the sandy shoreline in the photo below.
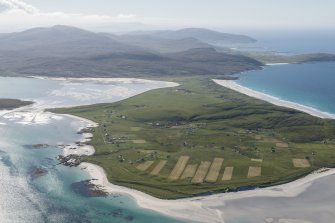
(273, 100)
(201, 209)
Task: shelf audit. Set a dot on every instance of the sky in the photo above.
(118, 15)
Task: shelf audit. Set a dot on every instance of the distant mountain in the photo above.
(69, 51)
(204, 35)
(61, 41)
(44, 44)
(159, 44)
(192, 62)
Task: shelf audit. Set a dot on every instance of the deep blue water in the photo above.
(310, 84)
(291, 42)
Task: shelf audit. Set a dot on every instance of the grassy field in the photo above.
(257, 142)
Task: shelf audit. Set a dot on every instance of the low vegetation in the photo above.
(200, 137)
(273, 57)
(7, 104)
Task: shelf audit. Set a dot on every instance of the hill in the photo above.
(159, 44)
(138, 64)
(204, 35)
(69, 51)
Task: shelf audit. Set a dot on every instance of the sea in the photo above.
(310, 84)
(299, 41)
(34, 188)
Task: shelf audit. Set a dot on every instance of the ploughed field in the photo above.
(200, 137)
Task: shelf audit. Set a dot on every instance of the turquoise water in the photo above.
(50, 197)
(310, 84)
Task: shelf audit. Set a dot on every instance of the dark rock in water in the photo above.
(86, 130)
(71, 160)
(36, 172)
(118, 213)
(129, 218)
(37, 146)
(87, 189)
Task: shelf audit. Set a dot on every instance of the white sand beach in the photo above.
(273, 100)
(206, 209)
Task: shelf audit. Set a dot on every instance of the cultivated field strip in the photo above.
(214, 170)
(257, 160)
(179, 168)
(135, 129)
(282, 145)
(228, 173)
(189, 171)
(301, 163)
(254, 171)
(158, 167)
(144, 166)
(258, 137)
(139, 141)
(201, 172)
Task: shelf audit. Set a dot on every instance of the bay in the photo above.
(310, 84)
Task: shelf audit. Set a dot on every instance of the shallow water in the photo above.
(31, 195)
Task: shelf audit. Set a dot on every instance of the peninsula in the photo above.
(201, 138)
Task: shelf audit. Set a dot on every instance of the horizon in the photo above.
(115, 16)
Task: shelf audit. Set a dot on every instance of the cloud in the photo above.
(16, 5)
(16, 15)
(126, 16)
